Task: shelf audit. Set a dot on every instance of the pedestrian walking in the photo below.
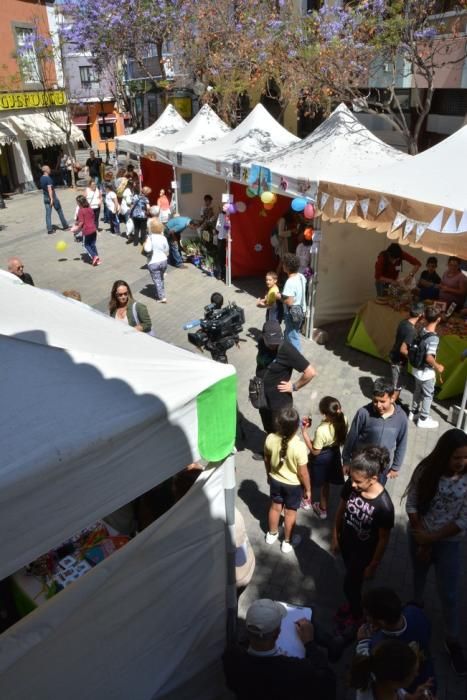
(113, 208)
(422, 356)
(51, 200)
(86, 224)
(139, 215)
(156, 244)
(94, 197)
(125, 309)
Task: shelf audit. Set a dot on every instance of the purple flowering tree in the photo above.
(367, 50)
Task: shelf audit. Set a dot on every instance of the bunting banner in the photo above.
(409, 226)
(451, 224)
(462, 228)
(382, 205)
(349, 205)
(437, 223)
(323, 200)
(420, 230)
(364, 206)
(337, 204)
(398, 221)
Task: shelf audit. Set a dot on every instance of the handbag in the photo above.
(256, 393)
(296, 311)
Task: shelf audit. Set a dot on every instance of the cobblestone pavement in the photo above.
(310, 574)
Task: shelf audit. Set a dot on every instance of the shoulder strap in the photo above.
(135, 314)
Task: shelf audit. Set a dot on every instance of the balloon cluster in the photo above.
(300, 204)
(234, 207)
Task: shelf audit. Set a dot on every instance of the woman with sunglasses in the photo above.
(125, 309)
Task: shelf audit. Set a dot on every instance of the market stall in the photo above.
(168, 123)
(93, 415)
(374, 330)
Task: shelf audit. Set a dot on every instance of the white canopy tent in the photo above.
(168, 124)
(425, 199)
(85, 429)
(258, 136)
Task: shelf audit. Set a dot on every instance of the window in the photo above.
(27, 58)
(106, 131)
(88, 76)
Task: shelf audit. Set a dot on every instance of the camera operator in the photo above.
(275, 361)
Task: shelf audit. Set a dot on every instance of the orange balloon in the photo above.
(308, 234)
(268, 206)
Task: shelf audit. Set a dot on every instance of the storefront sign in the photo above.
(32, 100)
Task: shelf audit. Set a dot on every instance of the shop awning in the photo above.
(43, 130)
(81, 122)
(6, 134)
(110, 119)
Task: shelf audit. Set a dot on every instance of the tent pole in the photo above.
(231, 592)
(228, 266)
(140, 174)
(461, 417)
(175, 190)
(313, 286)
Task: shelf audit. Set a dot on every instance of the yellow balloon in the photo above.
(267, 197)
(61, 246)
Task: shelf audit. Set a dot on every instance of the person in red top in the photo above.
(87, 225)
(389, 264)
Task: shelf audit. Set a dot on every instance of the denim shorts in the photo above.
(287, 494)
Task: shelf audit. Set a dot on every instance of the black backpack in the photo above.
(417, 351)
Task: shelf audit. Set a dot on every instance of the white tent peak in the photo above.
(168, 123)
(205, 127)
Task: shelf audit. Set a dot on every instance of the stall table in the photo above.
(373, 332)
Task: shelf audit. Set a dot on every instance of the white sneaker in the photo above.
(271, 537)
(413, 416)
(287, 547)
(427, 423)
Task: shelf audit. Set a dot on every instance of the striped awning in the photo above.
(6, 134)
(44, 130)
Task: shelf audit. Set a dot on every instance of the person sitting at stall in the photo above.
(428, 284)
(453, 285)
(388, 266)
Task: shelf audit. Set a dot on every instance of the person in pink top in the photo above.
(164, 206)
(86, 223)
(453, 286)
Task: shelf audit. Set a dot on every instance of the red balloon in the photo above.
(308, 234)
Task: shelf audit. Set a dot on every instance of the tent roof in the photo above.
(168, 123)
(205, 127)
(339, 147)
(258, 136)
(94, 414)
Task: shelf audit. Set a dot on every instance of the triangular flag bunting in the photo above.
(420, 230)
(409, 225)
(323, 200)
(336, 205)
(437, 223)
(383, 203)
(451, 224)
(398, 221)
(364, 206)
(462, 228)
(349, 205)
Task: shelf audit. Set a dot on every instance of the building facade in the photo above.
(34, 117)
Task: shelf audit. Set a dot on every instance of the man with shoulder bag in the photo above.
(275, 361)
(294, 299)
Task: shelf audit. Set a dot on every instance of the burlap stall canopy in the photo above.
(421, 201)
(44, 130)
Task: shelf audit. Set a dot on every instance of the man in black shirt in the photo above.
(16, 267)
(94, 166)
(263, 671)
(275, 362)
(404, 338)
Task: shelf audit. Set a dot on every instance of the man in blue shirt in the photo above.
(46, 184)
(173, 230)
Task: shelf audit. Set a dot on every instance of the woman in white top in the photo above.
(156, 244)
(94, 197)
(382, 673)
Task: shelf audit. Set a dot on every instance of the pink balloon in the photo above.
(309, 211)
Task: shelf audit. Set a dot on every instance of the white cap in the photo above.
(264, 616)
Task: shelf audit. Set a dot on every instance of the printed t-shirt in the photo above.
(295, 287)
(405, 334)
(271, 295)
(280, 369)
(296, 456)
(363, 517)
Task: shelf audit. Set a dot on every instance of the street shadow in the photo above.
(366, 385)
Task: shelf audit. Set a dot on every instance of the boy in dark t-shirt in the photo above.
(404, 338)
(428, 284)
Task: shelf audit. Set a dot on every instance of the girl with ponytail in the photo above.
(384, 672)
(325, 461)
(285, 457)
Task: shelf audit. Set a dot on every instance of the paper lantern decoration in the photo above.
(231, 209)
(298, 204)
(267, 198)
(308, 234)
(250, 193)
(268, 206)
(309, 211)
(241, 207)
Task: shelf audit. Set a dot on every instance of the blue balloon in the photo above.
(298, 204)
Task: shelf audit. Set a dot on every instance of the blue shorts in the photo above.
(287, 494)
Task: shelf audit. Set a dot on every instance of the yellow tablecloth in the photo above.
(373, 332)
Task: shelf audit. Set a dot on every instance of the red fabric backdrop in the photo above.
(158, 176)
(251, 229)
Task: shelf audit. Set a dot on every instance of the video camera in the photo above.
(219, 330)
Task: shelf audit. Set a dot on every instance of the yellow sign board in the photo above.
(32, 100)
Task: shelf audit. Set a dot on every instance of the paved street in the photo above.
(311, 574)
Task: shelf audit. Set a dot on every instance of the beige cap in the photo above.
(264, 616)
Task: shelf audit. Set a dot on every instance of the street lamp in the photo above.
(102, 115)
